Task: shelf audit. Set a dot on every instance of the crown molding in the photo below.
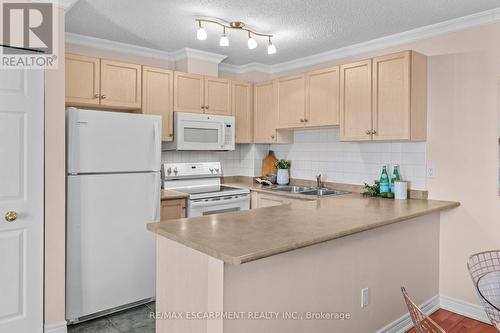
(77, 39)
(250, 67)
(197, 54)
(461, 23)
(83, 40)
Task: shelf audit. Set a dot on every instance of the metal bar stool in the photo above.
(422, 322)
(484, 269)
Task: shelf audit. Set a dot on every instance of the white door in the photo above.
(21, 193)
(101, 141)
(110, 253)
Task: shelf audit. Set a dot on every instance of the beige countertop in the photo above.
(240, 237)
(170, 195)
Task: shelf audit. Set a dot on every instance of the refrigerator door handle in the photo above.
(157, 148)
(156, 201)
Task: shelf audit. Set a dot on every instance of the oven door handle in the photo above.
(195, 203)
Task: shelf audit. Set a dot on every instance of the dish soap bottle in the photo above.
(384, 181)
(395, 176)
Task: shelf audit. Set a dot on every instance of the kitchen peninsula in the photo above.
(308, 257)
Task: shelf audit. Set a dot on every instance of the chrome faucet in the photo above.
(319, 184)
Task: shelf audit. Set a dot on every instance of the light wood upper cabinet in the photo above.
(356, 101)
(265, 115)
(120, 84)
(242, 110)
(265, 112)
(157, 97)
(188, 92)
(82, 80)
(217, 96)
(291, 101)
(399, 96)
(172, 209)
(323, 97)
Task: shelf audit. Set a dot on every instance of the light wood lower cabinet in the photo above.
(261, 200)
(242, 110)
(173, 209)
(121, 84)
(265, 115)
(82, 80)
(157, 97)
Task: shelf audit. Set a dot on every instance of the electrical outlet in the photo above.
(430, 172)
(365, 300)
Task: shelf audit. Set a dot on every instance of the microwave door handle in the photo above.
(223, 134)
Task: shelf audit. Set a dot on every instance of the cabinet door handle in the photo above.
(374, 132)
(368, 132)
(103, 96)
(96, 96)
(301, 120)
(206, 107)
(272, 136)
(306, 120)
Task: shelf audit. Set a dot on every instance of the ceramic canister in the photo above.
(400, 190)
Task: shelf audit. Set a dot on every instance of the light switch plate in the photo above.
(365, 297)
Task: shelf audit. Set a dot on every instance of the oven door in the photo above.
(200, 135)
(218, 205)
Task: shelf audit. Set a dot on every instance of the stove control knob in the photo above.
(176, 171)
(216, 170)
(169, 171)
(211, 170)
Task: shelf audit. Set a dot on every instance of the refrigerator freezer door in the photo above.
(110, 253)
(102, 142)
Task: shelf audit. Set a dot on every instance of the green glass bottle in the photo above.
(395, 176)
(384, 181)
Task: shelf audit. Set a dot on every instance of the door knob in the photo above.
(10, 216)
(368, 132)
(96, 96)
(374, 132)
(103, 96)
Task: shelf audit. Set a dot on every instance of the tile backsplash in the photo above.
(245, 160)
(316, 151)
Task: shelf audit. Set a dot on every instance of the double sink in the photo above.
(304, 190)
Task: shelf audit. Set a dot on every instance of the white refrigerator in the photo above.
(113, 191)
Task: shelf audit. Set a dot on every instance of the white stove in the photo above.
(202, 181)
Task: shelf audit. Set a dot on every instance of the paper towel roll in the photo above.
(400, 190)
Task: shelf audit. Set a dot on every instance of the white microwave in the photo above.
(199, 131)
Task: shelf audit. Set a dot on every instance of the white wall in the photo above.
(463, 149)
(319, 151)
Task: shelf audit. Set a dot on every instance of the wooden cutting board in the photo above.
(268, 164)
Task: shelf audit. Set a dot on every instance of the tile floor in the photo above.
(135, 320)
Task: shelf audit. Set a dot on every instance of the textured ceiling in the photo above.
(301, 27)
